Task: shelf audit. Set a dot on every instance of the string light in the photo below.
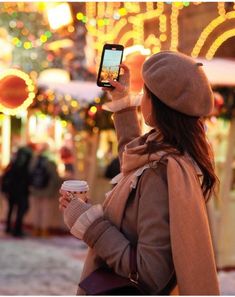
(149, 6)
(174, 27)
(101, 9)
(97, 100)
(207, 31)
(152, 40)
(126, 37)
(217, 43)
(90, 9)
(221, 8)
(162, 23)
(163, 37)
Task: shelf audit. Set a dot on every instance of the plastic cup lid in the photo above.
(75, 186)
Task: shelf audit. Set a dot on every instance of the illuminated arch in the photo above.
(208, 30)
(217, 43)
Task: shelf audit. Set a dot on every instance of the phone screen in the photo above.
(110, 67)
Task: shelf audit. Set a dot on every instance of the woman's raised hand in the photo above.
(121, 87)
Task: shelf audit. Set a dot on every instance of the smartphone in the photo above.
(110, 64)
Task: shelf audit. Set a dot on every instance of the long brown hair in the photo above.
(186, 134)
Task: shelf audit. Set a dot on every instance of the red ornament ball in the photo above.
(13, 91)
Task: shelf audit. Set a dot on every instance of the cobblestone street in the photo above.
(52, 266)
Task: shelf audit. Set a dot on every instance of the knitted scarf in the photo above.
(191, 243)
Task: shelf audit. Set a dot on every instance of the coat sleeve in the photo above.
(154, 259)
(127, 127)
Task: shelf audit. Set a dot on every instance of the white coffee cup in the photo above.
(77, 188)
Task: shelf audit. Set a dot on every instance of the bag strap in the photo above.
(133, 275)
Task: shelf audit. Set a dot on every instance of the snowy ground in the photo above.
(53, 266)
(40, 267)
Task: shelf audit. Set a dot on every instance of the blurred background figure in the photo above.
(15, 185)
(45, 183)
(68, 160)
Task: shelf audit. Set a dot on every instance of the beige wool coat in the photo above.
(164, 216)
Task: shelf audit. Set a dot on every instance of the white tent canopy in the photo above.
(83, 90)
(219, 71)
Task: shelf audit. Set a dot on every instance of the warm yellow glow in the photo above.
(27, 45)
(71, 29)
(174, 27)
(162, 23)
(208, 30)
(136, 48)
(61, 43)
(30, 86)
(97, 100)
(126, 37)
(217, 43)
(101, 9)
(122, 11)
(74, 103)
(43, 38)
(59, 16)
(58, 133)
(64, 123)
(32, 125)
(221, 8)
(79, 16)
(6, 136)
(90, 9)
(163, 37)
(149, 5)
(152, 40)
(93, 109)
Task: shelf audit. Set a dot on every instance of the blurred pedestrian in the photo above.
(45, 183)
(157, 211)
(15, 185)
(67, 157)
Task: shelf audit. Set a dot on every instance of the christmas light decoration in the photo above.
(16, 91)
(221, 8)
(217, 43)
(174, 27)
(208, 30)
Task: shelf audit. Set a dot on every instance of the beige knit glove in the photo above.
(86, 219)
(74, 210)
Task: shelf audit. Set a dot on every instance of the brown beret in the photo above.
(179, 82)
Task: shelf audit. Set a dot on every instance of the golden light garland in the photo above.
(126, 37)
(137, 33)
(174, 27)
(217, 43)
(149, 6)
(162, 23)
(90, 9)
(31, 91)
(221, 8)
(207, 31)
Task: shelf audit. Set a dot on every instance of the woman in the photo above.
(167, 175)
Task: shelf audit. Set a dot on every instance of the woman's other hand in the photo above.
(120, 88)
